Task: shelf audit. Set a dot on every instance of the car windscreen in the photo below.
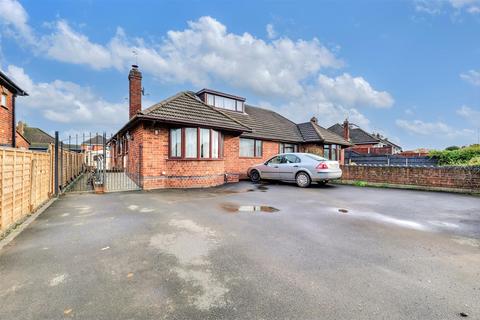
(315, 157)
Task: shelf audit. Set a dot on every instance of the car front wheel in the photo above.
(255, 176)
(303, 180)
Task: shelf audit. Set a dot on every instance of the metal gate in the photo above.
(98, 172)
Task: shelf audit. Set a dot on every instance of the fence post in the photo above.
(104, 160)
(56, 164)
(406, 161)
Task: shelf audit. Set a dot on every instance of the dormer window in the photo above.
(222, 100)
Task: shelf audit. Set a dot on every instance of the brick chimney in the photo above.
(346, 130)
(314, 120)
(135, 91)
(21, 127)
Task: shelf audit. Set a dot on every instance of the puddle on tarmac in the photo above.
(343, 210)
(230, 207)
(262, 188)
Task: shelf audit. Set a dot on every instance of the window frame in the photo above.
(183, 145)
(238, 105)
(281, 147)
(255, 155)
(2, 103)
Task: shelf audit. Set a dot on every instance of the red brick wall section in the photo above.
(21, 142)
(158, 171)
(237, 166)
(463, 178)
(6, 118)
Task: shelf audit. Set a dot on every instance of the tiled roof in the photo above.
(357, 135)
(98, 139)
(186, 108)
(37, 137)
(313, 132)
(267, 124)
(6, 81)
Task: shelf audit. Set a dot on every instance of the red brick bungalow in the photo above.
(207, 138)
(8, 133)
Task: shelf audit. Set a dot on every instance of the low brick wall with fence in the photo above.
(466, 179)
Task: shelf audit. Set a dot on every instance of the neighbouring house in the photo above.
(364, 142)
(207, 138)
(39, 140)
(20, 139)
(8, 93)
(93, 149)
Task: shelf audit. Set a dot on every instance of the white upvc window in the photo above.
(3, 100)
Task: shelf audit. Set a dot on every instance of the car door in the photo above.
(289, 166)
(270, 170)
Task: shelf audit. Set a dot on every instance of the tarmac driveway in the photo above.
(190, 254)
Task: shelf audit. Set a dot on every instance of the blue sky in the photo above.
(407, 69)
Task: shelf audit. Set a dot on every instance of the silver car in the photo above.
(303, 168)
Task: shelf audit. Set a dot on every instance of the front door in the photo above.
(289, 167)
(270, 169)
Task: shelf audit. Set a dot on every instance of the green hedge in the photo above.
(461, 157)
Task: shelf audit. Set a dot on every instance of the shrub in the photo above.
(460, 156)
(451, 148)
(475, 161)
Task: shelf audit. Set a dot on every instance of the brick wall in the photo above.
(6, 119)
(236, 165)
(21, 142)
(462, 178)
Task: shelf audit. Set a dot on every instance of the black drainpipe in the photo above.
(14, 124)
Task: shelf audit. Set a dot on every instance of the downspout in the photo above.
(14, 124)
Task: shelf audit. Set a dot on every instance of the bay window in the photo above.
(204, 143)
(250, 148)
(176, 143)
(195, 143)
(191, 142)
(215, 144)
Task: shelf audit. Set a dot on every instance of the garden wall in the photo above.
(465, 179)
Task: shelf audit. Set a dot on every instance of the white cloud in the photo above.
(205, 53)
(67, 102)
(66, 45)
(472, 77)
(271, 33)
(352, 91)
(470, 115)
(432, 129)
(435, 7)
(14, 20)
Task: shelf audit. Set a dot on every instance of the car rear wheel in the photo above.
(303, 179)
(255, 176)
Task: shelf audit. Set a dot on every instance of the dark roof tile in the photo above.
(187, 108)
(313, 132)
(267, 124)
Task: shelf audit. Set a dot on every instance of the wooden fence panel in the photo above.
(25, 183)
